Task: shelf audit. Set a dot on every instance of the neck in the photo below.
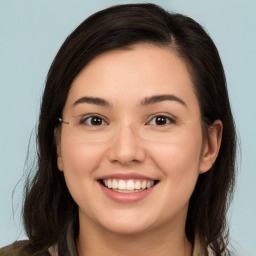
(161, 242)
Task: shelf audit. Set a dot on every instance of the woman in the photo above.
(136, 141)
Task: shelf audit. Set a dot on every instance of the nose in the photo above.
(126, 147)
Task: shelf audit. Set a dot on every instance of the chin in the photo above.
(127, 228)
(128, 224)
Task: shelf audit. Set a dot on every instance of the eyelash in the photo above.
(84, 119)
(168, 120)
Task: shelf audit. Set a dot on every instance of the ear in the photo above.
(57, 138)
(211, 146)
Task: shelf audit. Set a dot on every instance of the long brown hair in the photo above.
(48, 206)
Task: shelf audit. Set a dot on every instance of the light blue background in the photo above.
(31, 33)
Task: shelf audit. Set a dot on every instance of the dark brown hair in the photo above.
(49, 207)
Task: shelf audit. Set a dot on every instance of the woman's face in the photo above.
(133, 149)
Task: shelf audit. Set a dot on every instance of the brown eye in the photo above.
(160, 120)
(93, 121)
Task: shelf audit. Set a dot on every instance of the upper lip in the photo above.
(125, 176)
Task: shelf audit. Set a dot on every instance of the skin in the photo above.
(154, 225)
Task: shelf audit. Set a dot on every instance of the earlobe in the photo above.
(211, 146)
(58, 149)
(59, 158)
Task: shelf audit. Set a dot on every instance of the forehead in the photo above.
(132, 74)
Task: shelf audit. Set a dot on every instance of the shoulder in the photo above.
(19, 248)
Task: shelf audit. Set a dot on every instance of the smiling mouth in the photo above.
(128, 186)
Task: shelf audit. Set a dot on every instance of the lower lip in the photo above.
(126, 197)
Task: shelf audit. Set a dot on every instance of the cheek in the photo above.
(80, 160)
(178, 161)
(180, 157)
(79, 156)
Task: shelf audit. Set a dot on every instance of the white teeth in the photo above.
(137, 185)
(128, 185)
(121, 184)
(109, 184)
(150, 184)
(144, 184)
(114, 184)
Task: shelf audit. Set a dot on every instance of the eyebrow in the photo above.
(145, 102)
(159, 98)
(92, 100)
